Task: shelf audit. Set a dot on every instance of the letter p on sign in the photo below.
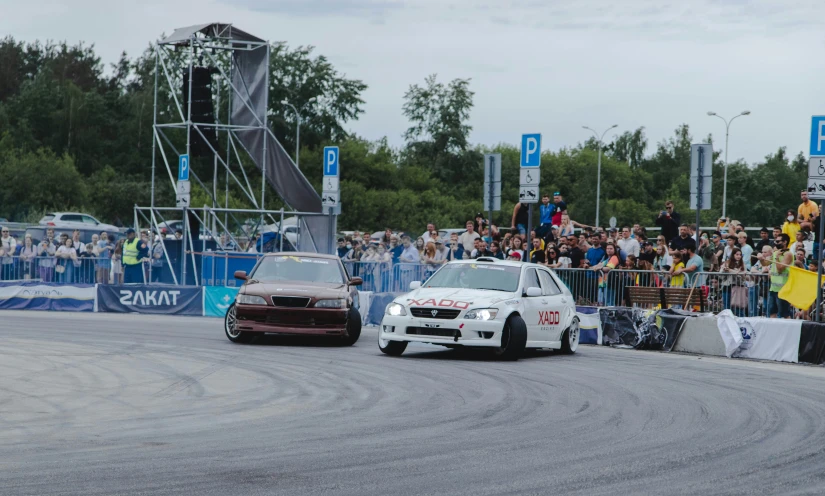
(817, 136)
(530, 150)
(331, 161)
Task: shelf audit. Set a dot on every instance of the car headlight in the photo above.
(245, 299)
(482, 314)
(339, 303)
(395, 309)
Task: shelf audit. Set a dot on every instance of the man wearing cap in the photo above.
(134, 251)
(559, 207)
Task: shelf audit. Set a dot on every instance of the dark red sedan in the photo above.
(298, 294)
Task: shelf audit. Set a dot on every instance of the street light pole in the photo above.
(599, 173)
(727, 136)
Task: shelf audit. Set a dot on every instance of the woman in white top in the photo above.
(27, 256)
(66, 256)
(567, 225)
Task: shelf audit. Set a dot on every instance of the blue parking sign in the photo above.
(530, 150)
(817, 136)
(331, 161)
(183, 168)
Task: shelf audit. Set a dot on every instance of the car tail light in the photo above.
(50, 224)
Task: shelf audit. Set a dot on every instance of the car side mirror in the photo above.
(356, 281)
(415, 285)
(239, 274)
(532, 292)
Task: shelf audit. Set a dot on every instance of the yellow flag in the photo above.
(800, 290)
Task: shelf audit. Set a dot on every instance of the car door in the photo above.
(533, 306)
(553, 316)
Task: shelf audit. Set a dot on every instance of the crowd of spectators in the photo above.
(735, 270)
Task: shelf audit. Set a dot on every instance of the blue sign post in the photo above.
(530, 150)
(331, 161)
(817, 136)
(183, 168)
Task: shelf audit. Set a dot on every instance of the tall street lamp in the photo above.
(297, 128)
(599, 175)
(727, 133)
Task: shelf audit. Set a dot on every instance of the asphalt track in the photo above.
(126, 404)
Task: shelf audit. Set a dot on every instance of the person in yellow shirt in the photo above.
(808, 210)
(791, 225)
(677, 277)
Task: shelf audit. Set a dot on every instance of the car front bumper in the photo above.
(479, 333)
(303, 321)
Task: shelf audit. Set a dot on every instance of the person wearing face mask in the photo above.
(791, 226)
(780, 260)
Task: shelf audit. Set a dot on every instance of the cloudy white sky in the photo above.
(536, 66)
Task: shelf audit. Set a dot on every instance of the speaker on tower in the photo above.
(203, 109)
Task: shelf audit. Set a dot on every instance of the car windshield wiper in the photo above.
(492, 289)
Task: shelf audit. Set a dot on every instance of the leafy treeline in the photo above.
(76, 135)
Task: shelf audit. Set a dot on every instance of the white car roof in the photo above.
(495, 261)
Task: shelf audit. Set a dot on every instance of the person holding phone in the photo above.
(808, 210)
(669, 220)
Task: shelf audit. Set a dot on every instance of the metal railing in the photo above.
(54, 269)
(745, 294)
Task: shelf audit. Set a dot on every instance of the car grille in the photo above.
(290, 301)
(427, 331)
(440, 313)
(305, 320)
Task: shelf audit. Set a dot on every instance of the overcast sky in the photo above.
(536, 65)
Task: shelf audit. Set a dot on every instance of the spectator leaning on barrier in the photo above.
(763, 241)
(780, 260)
(629, 245)
(467, 237)
(27, 257)
(87, 265)
(682, 241)
(134, 251)
(747, 250)
(669, 221)
(342, 247)
(8, 246)
(694, 265)
(574, 252)
(157, 259)
(454, 250)
(706, 250)
(104, 258)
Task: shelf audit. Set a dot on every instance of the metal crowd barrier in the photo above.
(720, 288)
(51, 269)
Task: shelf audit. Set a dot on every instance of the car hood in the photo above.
(285, 288)
(457, 297)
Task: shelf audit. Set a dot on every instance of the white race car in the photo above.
(504, 305)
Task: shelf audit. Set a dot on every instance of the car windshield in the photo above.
(476, 276)
(305, 269)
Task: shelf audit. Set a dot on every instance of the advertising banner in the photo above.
(45, 296)
(216, 300)
(765, 339)
(164, 300)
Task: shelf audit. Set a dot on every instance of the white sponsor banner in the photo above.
(46, 291)
(764, 339)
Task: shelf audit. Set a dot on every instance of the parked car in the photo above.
(75, 220)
